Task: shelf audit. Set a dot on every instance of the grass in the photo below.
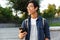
(54, 24)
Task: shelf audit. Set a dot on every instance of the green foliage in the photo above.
(19, 4)
(5, 14)
(58, 11)
(7, 17)
(50, 12)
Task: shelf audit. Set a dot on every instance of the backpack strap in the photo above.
(26, 23)
(43, 19)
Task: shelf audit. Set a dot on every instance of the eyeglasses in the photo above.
(30, 6)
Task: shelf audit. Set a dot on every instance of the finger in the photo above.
(20, 31)
(25, 33)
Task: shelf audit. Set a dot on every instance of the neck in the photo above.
(34, 15)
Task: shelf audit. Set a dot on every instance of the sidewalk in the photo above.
(55, 28)
(12, 33)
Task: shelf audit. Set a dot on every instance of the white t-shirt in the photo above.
(33, 33)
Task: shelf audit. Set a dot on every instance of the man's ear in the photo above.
(36, 8)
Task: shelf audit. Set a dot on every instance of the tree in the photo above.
(5, 14)
(19, 5)
(58, 11)
(50, 12)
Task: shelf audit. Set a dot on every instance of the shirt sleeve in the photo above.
(23, 24)
(46, 29)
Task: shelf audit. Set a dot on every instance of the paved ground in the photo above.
(9, 34)
(55, 35)
(12, 34)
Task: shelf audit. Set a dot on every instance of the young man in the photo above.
(36, 29)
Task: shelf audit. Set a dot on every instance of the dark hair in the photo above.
(35, 3)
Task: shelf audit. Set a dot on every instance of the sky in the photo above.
(43, 4)
(3, 3)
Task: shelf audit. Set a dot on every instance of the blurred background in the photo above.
(13, 12)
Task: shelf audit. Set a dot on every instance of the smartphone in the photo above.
(23, 29)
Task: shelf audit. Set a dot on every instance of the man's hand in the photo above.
(22, 35)
(46, 39)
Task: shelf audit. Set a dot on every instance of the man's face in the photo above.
(31, 9)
